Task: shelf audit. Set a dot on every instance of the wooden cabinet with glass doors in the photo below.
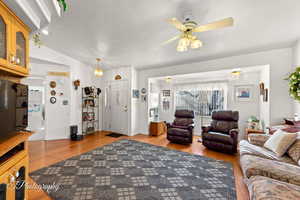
(14, 43)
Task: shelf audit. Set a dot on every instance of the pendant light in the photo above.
(98, 71)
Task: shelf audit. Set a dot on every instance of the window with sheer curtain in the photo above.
(202, 98)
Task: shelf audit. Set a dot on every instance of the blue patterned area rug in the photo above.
(131, 170)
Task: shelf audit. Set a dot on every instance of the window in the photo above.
(203, 99)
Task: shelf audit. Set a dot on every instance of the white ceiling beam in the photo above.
(57, 7)
(41, 4)
(25, 6)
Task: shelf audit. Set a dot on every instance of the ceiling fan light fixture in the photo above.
(196, 44)
(181, 48)
(184, 42)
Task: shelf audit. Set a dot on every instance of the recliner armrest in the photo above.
(206, 129)
(233, 133)
(191, 127)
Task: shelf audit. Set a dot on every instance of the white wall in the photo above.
(247, 108)
(280, 61)
(77, 70)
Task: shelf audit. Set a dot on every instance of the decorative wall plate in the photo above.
(52, 84)
(143, 90)
(53, 93)
(53, 100)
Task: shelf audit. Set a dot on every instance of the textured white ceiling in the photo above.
(129, 32)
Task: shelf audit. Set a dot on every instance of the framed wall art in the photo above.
(166, 93)
(135, 94)
(243, 92)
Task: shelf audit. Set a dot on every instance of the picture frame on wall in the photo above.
(135, 94)
(243, 93)
(166, 93)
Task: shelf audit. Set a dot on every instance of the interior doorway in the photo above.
(116, 107)
(36, 106)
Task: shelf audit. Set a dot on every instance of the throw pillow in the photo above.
(280, 142)
(294, 150)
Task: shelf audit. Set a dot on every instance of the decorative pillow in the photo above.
(258, 139)
(280, 142)
(294, 150)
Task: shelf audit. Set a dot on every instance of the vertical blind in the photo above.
(202, 98)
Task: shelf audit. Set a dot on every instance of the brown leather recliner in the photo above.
(222, 134)
(181, 130)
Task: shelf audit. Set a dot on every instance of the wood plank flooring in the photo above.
(45, 153)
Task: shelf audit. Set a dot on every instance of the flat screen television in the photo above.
(13, 108)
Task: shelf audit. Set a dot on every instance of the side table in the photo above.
(157, 128)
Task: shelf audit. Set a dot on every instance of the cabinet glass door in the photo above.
(3, 38)
(20, 49)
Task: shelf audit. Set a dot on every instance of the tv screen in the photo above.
(13, 108)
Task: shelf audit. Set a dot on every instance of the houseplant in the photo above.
(294, 84)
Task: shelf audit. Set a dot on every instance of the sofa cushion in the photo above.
(263, 188)
(247, 148)
(258, 139)
(217, 137)
(280, 142)
(294, 150)
(257, 166)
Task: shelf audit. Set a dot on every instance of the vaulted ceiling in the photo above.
(129, 32)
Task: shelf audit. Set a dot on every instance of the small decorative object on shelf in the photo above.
(253, 123)
(90, 109)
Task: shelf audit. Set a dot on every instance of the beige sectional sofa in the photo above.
(268, 176)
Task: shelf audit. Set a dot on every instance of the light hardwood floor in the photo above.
(45, 153)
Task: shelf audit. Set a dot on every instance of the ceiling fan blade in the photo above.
(170, 40)
(215, 25)
(175, 22)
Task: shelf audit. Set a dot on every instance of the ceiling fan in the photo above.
(187, 28)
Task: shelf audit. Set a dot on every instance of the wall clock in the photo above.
(53, 100)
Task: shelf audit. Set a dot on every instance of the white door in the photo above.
(116, 108)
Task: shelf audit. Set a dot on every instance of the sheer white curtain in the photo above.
(203, 98)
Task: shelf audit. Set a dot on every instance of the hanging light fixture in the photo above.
(98, 71)
(168, 79)
(236, 73)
